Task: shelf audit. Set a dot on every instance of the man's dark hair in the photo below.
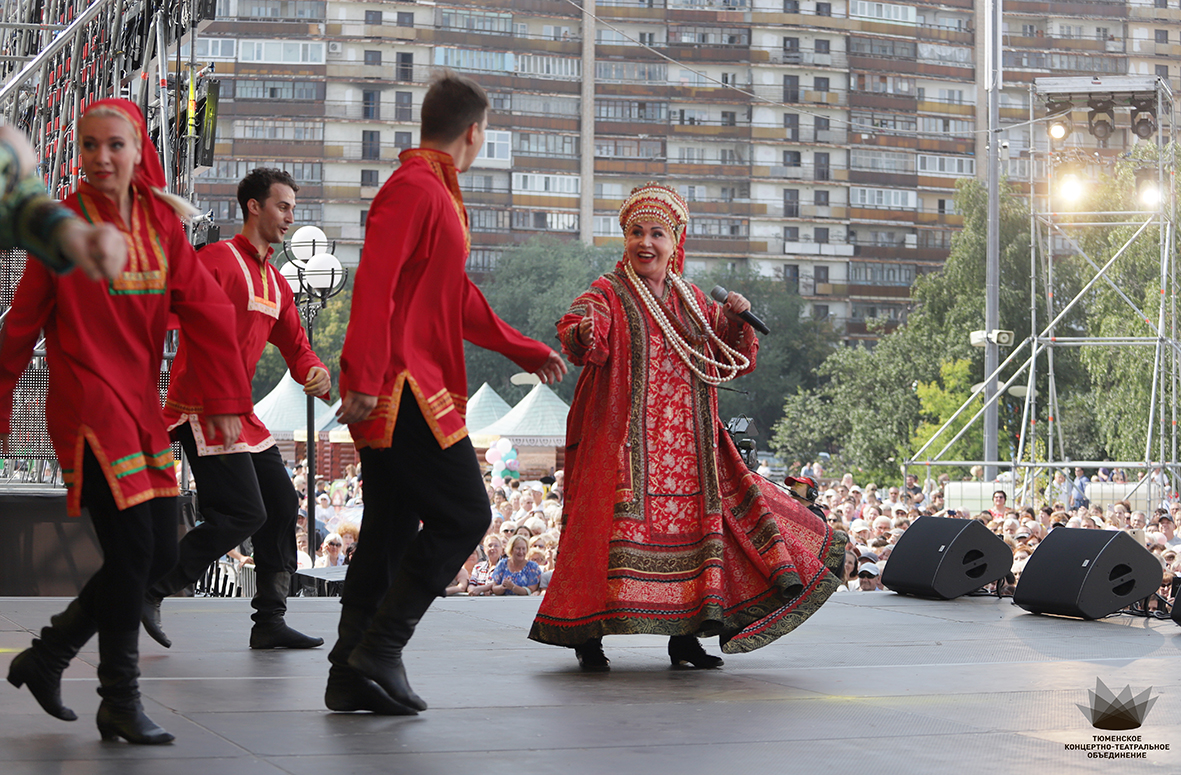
(452, 104)
(1000, 492)
(257, 185)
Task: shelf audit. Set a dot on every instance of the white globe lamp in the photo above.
(322, 271)
(307, 241)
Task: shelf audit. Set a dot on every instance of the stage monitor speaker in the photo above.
(1086, 573)
(944, 558)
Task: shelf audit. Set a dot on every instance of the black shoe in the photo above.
(270, 604)
(378, 656)
(277, 635)
(685, 651)
(121, 713)
(41, 667)
(349, 691)
(591, 657)
(150, 617)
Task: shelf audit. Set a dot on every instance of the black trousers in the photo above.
(139, 546)
(412, 480)
(241, 495)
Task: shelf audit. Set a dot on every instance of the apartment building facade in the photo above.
(818, 142)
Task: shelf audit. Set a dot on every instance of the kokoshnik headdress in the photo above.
(655, 203)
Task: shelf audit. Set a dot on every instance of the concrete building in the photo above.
(817, 141)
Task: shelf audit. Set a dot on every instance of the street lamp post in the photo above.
(315, 276)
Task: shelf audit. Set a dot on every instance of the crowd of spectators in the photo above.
(876, 518)
(517, 554)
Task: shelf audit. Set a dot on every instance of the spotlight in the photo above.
(1071, 183)
(1101, 120)
(1148, 189)
(1059, 125)
(1144, 118)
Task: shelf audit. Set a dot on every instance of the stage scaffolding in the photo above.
(1048, 225)
(56, 57)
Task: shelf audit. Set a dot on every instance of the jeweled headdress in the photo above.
(654, 202)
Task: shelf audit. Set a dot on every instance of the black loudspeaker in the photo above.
(945, 558)
(1086, 573)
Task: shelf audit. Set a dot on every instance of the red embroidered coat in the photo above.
(105, 343)
(413, 305)
(266, 312)
(665, 529)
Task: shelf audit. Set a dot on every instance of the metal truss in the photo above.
(1048, 225)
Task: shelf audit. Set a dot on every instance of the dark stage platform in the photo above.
(874, 683)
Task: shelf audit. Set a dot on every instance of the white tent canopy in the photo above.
(539, 420)
(485, 407)
(285, 409)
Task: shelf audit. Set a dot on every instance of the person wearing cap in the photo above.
(1168, 528)
(869, 578)
(859, 533)
(667, 532)
(104, 342)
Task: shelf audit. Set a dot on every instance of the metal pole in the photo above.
(311, 442)
(586, 149)
(992, 260)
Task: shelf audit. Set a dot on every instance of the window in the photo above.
(269, 129)
(824, 9)
(371, 105)
(952, 166)
(212, 48)
(403, 140)
(820, 311)
(822, 47)
(1162, 36)
(791, 233)
(546, 221)
(647, 38)
(1162, 71)
(405, 70)
(820, 168)
(791, 122)
(488, 220)
(405, 19)
(791, 276)
(1162, 3)
(791, 203)
(371, 145)
(887, 198)
(468, 59)
(614, 110)
(364, 217)
(369, 177)
(884, 11)
(373, 17)
(791, 159)
(279, 51)
(820, 199)
(791, 88)
(791, 6)
(372, 57)
(549, 66)
(822, 125)
(538, 144)
(553, 185)
(278, 90)
(876, 273)
(497, 146)
(1102, 33)
(729, 118)
(820, 273)
(403, 106)
(820, 84)
(820, 235)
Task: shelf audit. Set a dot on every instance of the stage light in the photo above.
(1101, 120)
(1148, 189)
(1144, 118)
(1059, 125)
(1071, 187)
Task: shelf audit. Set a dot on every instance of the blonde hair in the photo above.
(181, 206)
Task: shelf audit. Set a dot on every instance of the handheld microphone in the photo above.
(719, 294)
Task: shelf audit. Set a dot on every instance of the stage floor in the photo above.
(873, 683)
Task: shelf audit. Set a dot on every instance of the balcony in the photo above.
(1066, 8)
(781, 56)
(828, 249)
(881, 101)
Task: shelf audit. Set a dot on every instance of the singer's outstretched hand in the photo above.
(552, 370)
(735, 305)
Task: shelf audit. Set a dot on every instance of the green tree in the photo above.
(531, 289)
(328, 340)
(938, 401)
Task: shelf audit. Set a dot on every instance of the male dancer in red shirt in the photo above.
(405, 389)
(244, 487)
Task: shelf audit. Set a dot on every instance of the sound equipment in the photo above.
(944, 558)
(1087, 573)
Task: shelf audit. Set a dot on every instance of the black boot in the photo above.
(347, 689)
(685, 650)
(378, 656)
(591, 657)
(270, 630)
(41, 666)
(171, 583)
(121, 713)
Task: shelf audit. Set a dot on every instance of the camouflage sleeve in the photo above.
(29, 219)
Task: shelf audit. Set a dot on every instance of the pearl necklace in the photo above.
(735, 361)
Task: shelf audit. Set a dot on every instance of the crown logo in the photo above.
(1107, 711)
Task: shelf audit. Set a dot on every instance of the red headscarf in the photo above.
(149, 173)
